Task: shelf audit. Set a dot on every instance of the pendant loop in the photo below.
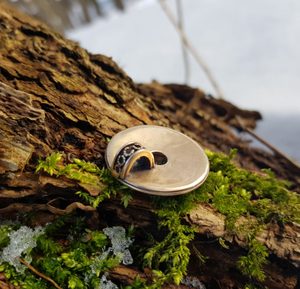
(128, 157)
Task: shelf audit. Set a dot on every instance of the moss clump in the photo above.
(251, 264)
(173, 248)
(262, 195)
(236, 193)
(4, 238)
(260, 198)
(68, 253)
(172, 253)
(86, 173)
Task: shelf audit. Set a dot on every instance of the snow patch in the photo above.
(22, 241)
(107, 284)
(120, 243)
(193, 282)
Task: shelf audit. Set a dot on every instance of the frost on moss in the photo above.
(21, 242)
(192, 282)
(106, 284)
(120, 243)
(259, 197)
(77, 263)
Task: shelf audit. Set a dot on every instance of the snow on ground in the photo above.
(252, 48)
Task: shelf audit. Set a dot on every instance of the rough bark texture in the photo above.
(55, 96)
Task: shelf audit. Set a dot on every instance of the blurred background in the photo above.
(252, 48)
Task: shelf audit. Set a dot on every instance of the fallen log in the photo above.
(57, 97)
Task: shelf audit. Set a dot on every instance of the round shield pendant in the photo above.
(157, 160)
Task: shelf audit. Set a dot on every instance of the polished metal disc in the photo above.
(157, 160)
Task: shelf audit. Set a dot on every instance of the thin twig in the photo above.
(186, 42)
(35, 271)
(180, 23)
(264, 142)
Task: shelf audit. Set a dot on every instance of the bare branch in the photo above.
(264, 142)
(184, 49)
(35, 271)
(186, 42)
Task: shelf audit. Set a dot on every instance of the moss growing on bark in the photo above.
(260, 198)
(70, 254)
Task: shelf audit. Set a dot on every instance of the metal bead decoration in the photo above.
(124, 155)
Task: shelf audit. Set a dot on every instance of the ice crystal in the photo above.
(107, 284)
(193, 282)
(120, 243)
(96, 265)
(127, 258)
(21, 242)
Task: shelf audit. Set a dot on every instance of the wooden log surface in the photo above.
(55, 96)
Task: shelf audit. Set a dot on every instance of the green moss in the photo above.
(86, 173)
(237, 193)
(27, 280)
(51, 164)
(251, 264)
(172, 253)
(77, 264)
(261, 195)
(4, 238)
(260, 198)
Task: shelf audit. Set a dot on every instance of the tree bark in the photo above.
(55, 96)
